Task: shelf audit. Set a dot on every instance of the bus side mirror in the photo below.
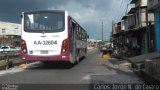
(21, 16)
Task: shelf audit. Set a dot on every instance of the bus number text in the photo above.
(45, 42)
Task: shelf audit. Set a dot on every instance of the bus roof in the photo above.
(44, 11)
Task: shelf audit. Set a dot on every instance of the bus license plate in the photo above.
(44, 52)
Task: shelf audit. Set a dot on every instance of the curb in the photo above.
(148, 79)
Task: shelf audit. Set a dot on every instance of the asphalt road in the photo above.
(92, 69)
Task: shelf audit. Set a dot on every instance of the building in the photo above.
(143, 22)
(10, 34)
(92, 43)
(135, 34)
(118, 36)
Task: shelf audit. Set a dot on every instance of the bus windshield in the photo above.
(44, 21)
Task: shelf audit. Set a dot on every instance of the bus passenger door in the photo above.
(73, 40)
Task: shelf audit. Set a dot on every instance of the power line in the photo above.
(121, 3)
(124, 8)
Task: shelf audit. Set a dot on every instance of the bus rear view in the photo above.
(44, 36)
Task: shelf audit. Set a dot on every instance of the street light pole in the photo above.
(102, 30)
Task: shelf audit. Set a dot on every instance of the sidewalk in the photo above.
(116, 72)
(139, 61)
(152, 68)
(147, 65)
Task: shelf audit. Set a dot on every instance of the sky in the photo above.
(88, 13)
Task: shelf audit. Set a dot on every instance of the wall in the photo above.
(143, 2)
(152, 4)
(131, 21)
(122, 25)
(7, 28)
(127, 23)
(143, 17)
(157, 30)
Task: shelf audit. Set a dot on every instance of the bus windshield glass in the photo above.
(43, 21)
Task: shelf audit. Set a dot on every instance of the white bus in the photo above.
(52, 35)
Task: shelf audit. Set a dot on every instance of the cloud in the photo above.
(88, 13)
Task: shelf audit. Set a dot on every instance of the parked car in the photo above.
(102, 48)
(105, 49)
(8, 49)
(1, 50)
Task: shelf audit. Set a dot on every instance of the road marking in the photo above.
(87, 77)
(23, 66)
(11, 71)
(17, 69)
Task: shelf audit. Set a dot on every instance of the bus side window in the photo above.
(82, 36)
(80, 33)
(77, 32)
(72, 29)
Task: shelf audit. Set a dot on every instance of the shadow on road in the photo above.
(52, 65)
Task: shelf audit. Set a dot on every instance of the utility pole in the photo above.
(111, 38)
(147, 44)
(102, 30)
(102, 26)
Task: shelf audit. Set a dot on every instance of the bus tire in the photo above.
(77, 58)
